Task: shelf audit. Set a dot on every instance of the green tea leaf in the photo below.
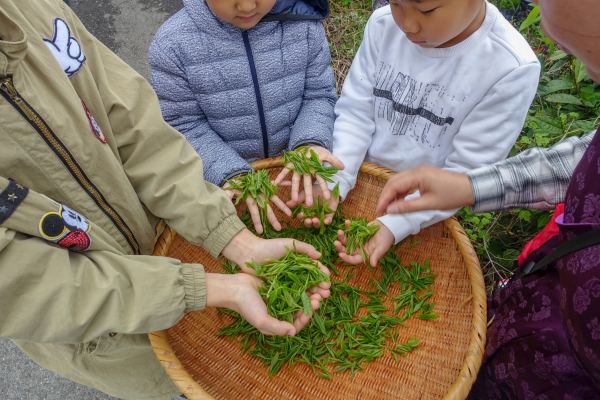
(306, 304)
(563, 98)
(580, 71)
(558, 85)
(549, 124)
(557, 55)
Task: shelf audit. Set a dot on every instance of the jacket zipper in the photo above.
(9, 92)
(261, 111)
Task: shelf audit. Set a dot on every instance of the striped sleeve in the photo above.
(537, 178)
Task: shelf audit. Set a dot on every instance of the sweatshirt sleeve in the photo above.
(354, 112)
(486, 136)
(164, 170)
(314, 123)
(181, 110)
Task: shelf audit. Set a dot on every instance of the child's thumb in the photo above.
(274, 327)
(402, 206)
(376, 256)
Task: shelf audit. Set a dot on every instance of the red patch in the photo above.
(95, 128)
(76, 241)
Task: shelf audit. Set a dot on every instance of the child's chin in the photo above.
(246, 24)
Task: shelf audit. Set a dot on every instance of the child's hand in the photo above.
(246, 247)
(239, 292)
(255, 213)
(376, 247)
(324, 156)
(314, 221)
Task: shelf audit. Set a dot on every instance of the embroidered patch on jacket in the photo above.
(66, 228)
(11, 198)
(65, 48)
(95, 128)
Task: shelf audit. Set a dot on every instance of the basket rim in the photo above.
(474, 356)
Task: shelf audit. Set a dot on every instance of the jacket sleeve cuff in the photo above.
(488, 189)
(222, 234)
(311, 142)
(398, 225)
(194, 285)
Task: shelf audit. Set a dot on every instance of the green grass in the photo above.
(567, 104)
(345, 27)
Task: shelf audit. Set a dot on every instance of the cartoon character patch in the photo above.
(66, 228)
(95, 128)
(65, 48)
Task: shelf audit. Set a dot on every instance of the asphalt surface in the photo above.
(127, 28)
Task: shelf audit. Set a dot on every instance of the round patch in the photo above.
(52, 226)
(67, 229)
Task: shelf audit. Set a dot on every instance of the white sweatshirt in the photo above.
(456, 108)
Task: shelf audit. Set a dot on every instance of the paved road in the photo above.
(126, 27)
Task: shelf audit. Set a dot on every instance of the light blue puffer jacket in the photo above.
(243, 95)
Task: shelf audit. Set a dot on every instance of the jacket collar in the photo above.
(13, 45)
(298, 10)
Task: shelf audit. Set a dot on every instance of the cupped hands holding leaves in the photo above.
(251, 249)
(362, 241)
(241, 292)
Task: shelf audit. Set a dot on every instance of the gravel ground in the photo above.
(22, 379)
(126, 27)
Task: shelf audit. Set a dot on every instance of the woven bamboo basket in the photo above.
(444, 366)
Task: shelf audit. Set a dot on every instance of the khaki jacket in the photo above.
(94, 184)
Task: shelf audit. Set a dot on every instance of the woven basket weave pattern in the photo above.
(443, 366)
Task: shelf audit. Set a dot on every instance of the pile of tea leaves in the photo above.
(286, 282)
(350, 328)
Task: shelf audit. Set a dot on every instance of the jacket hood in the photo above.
(297, 10)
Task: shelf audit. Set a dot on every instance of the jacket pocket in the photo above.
(100, 345)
